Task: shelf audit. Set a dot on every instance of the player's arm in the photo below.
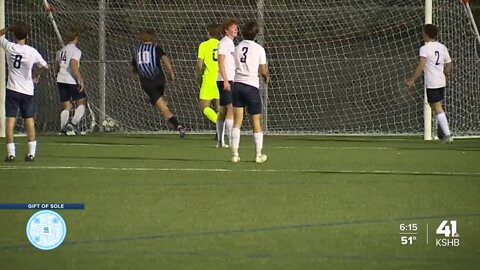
(223, 71)
(199, 70)
(5, 30)
(75, 66)
(168, 65)
(41, 68)
(418, 72)
(56, 65)
(3, 41)
(447, 70)
(265, 74)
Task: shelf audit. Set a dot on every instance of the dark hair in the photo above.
(214, 30)
(250, 30)
(229, 22)
(71, 34)
(20, 30)
(431, 31)
(147, 35)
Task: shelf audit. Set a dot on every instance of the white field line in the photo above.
(235, 170)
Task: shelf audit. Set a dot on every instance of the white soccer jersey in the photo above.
(249, 55)
(437, 56)
(20, 61)
(64, 56)
(226, 47)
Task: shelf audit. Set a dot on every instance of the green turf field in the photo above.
(161, 202)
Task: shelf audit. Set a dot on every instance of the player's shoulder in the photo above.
(226, 41)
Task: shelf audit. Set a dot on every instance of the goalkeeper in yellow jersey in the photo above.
(206, 71)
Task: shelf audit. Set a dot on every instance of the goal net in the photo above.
(338, 67)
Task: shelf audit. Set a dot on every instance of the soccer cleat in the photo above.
(70, 130)
(235, 159)
(10, 158)
(224, 145)
(75, 128)
(29, 157)
(260, 159)
(447, 139)
(181, 131)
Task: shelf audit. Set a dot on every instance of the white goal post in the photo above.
(338, 67)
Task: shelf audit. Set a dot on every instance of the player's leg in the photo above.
(238, 105)
(9, 126)
(254, 108)
(435, 97)
(80, 99)
(222, 113)
(235, 136)
(161, 104)
(205, 108)
(63, 92)
(27, 108)
(229, 116)
(208, 92)
(12, 104)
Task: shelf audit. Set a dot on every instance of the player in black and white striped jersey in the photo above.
(147, 63)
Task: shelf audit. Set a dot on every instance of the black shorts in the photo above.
(225, 96)
(15, 101)
(245, 95)
(69, 92)
(435, 95)
(154, 89)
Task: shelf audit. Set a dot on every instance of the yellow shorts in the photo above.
(209, 90)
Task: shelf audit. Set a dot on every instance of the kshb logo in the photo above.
(448, 229)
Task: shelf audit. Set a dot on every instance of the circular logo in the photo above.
(46, 230)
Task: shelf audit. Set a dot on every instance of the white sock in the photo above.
(78, 114)
(32, 147)
(258, 138)
(235, 141)
(64, 115)
(11, 149)
(220, 129)
(442, 121)
(228, 129)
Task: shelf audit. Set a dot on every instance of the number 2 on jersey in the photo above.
(437, 54)
(244, 58)
(17, 62)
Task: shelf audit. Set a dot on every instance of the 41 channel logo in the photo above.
(451, 237)
(46, 230)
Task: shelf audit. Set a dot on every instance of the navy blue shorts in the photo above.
(15, 101)
(225, 96)
(69, 92)
(245, 95)
(153, 88)
(435, 95)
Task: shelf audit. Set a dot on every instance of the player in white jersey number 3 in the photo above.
(436, 64)
(250, 58)
(21, 59)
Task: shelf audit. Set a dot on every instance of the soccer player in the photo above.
(206, 70)
(70, 82)
(226, 74)
(250, 59)
(20, 86)
(147, 63)
(436, 64)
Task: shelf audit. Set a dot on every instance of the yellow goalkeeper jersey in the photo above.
(207, 51)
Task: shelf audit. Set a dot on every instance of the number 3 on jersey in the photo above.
(243, 59)
(17, 62)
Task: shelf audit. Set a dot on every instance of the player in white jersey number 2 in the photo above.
(21, 59)
(436, 64)
(250, 58)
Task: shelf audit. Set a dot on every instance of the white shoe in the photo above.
(447, 139)
(223, 145)
(261, 159)
(235, 159)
